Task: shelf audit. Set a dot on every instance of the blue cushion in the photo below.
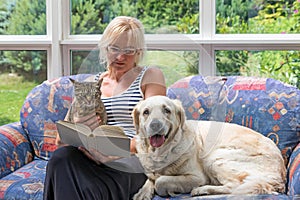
(25, 183)
(15, 148)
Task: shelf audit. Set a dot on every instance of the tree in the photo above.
(27, 18)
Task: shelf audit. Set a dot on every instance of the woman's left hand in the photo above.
(97, 156)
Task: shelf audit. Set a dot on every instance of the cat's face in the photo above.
(86, 93)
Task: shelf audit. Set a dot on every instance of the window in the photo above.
(206, 27)
(51, 38)
(220, 26)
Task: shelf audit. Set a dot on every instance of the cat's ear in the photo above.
(72, 80)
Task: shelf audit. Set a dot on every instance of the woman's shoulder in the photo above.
(153, 72)
(101, 75)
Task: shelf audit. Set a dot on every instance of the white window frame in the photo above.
(58, 42)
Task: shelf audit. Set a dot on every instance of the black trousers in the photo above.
(71, 175)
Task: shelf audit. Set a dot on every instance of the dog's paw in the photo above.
(165, 186)
(199, 191)
(210, 189)
(145, 193)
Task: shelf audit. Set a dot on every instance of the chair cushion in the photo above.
(44, 105)
(262, 104)
(15, 148)
(25, 183)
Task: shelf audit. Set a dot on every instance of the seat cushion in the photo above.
(15, 148)
(25, 183)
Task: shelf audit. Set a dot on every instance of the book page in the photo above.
(108, 140)
(68, 135)
(113, 146)
(107, 130)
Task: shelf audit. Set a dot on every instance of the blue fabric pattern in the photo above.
(15, 148)
(25, 183)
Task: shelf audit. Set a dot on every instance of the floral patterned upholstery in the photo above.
(265, 105)
(262, 104)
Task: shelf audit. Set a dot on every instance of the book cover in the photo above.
(109, 140)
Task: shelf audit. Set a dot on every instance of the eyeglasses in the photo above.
(129, 51)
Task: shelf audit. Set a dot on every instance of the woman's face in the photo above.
(121, 55)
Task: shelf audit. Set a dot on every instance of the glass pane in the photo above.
(280, 65)
(20, 71)
(257, 16)
(86, 62)
(22, 17)
(91, 17)
(174, 64)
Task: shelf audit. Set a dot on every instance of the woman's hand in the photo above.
(97, 156)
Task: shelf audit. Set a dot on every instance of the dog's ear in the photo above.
(180, 112)
(136, 115)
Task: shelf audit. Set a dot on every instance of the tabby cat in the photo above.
(87, 99)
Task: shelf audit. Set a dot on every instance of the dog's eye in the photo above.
(167, 110)
(146, 112)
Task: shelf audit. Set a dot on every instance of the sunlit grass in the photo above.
(13, 91)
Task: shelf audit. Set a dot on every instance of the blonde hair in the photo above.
(119, 25)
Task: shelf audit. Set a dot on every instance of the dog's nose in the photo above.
(155, 125)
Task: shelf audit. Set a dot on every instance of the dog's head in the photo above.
(157, 119)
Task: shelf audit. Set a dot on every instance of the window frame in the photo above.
(58, 42)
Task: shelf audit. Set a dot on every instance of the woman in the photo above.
(79, 173)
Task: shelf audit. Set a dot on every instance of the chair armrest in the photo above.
(293, 173)
(15, 148)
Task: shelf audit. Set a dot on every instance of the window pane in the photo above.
(257, 16)
(174, 64)
(85, 62)
(91, 17)
(22, 17)
(280, 65)
(20, 71)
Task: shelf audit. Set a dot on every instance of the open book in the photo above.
(109, 140)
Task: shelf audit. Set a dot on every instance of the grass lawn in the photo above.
(13, 91)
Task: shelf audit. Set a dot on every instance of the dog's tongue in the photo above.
(157, 140)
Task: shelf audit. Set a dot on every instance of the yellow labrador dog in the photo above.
(202, 157)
